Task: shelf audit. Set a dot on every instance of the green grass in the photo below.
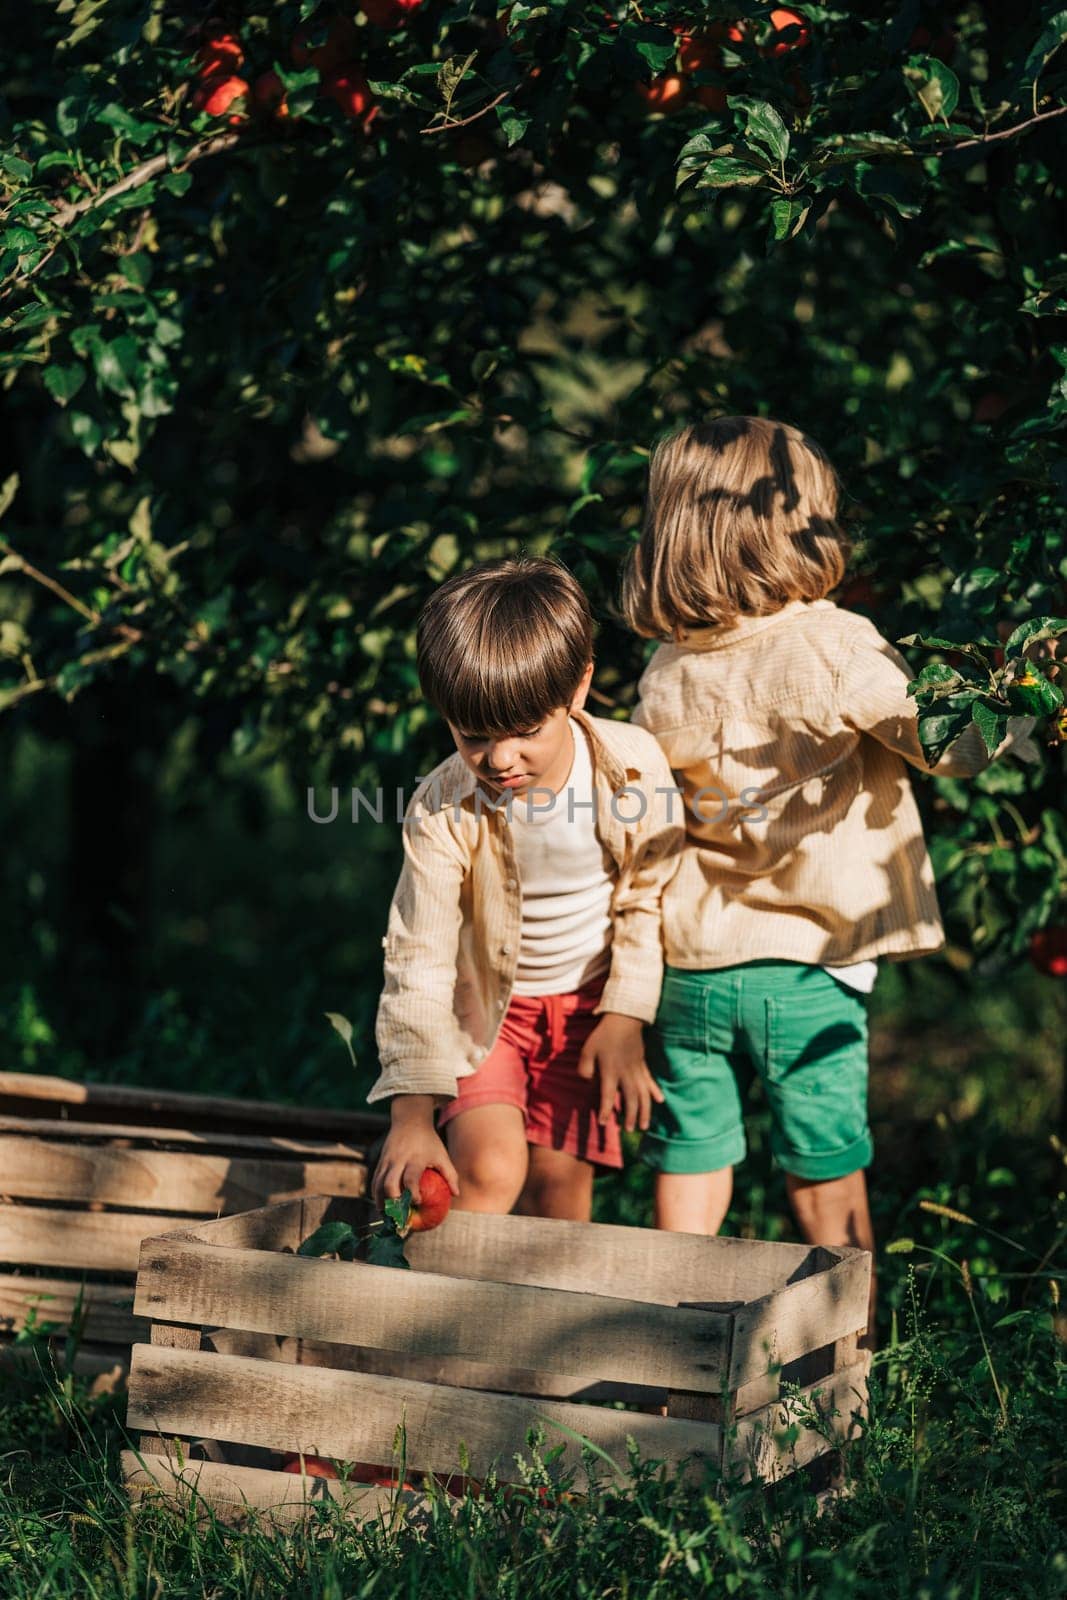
(956, 1489)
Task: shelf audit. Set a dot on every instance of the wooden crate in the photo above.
(504, 1323)
(88, 1170)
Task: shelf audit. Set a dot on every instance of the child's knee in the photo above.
(489, 1173)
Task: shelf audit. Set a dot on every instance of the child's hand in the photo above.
(411, 1146)
(616, 1049)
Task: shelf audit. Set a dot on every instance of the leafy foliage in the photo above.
(271, 376)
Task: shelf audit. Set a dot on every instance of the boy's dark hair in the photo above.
(503, 644)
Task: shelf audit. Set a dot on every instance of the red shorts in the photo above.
(534, 1065)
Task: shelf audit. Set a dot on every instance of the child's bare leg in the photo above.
(835, 1211)
(558, 1185)
(693, 1202)
(488, 1146)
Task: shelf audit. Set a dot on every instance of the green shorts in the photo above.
(804, 1032)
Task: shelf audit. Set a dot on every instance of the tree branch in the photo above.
(447, 127)
(217, 145)
(1004, 133)
(22, 565)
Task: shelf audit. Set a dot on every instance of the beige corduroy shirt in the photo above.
(789, 734)
(452, 940)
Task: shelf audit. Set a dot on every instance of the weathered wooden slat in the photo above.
(96, 1241)
(354, 1416)
(800, 1317)
(755, 1448)
(107, 1307)
(27, 1094)
(602, 1258)
(221, 1142)
(233, 1492)
(155, 1180)
(428, 1314)
(605, 1259)
(427, 1369)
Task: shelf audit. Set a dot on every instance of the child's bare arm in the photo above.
(412, 1145)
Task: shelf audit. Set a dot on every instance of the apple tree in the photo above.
(306, 306)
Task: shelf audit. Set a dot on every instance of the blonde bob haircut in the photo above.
(740, 519)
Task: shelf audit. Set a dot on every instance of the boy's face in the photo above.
(529, 758)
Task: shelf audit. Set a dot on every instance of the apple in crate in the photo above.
(314, 1466)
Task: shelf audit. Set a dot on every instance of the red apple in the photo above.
(348, 88)
(336, 49)
(435, 1199)
(388, 13)
(217, 95)
(942, 45)
(313, 1466)
(989, 406)
(1048, 951)
(781, 19)
(667, 92)
(220, 51)
(268, 92)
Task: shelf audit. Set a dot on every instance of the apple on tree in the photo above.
(1048, 950)
(216, 96)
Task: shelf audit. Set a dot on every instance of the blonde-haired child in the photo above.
(787, 723)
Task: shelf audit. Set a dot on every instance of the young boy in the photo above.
(523, 951)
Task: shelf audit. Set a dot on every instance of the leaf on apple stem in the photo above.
(332, 1238)
(386, 1249)
(399, 1211)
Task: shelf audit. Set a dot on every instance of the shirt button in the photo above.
(505, 949)
(509, 883)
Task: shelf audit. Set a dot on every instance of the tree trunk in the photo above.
(118, 735)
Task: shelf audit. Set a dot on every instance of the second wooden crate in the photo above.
(503, 1324)
(88, 1170)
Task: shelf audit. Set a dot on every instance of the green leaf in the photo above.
(8, 490)
(990, 724)
(727, 172)
(135, 129)
(328, 1240)
(386, 1249)
(964, 647)
(514, 123)
(344, 1028)
(936, 87)
(1030, 632)
(763, 126)
(63, 382)
(936, 680)
(941, 729)
(399, 1211)
(1048, 41)
(788, 217)
(652, 47)
(1033, 695)
(891, 185)
(116, 363)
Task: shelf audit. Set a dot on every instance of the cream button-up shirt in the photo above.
(790, 736)
(455, 920)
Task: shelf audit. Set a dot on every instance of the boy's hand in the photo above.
(412, 1144)
(616, 1049)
